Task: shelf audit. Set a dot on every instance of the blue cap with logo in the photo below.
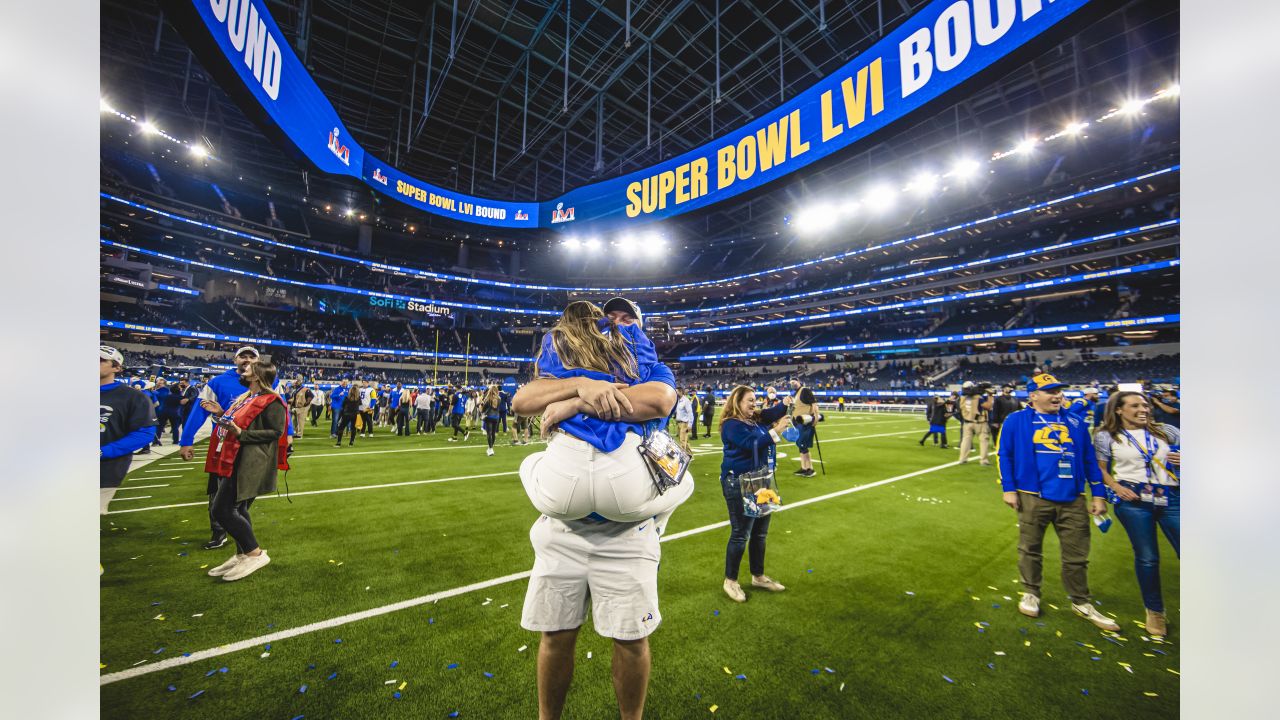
(1044, 381)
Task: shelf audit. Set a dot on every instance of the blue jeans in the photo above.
(1140, 520)
(746, 533)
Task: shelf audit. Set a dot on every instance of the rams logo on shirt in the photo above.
(1053, 437)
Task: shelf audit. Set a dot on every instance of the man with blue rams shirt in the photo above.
(126, 422)
(1046, 457)
(223, 390)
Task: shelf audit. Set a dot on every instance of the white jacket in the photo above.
(684, 410)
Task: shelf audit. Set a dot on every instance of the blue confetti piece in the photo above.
(312, 666)
(394, 663)
(1022, 630)
(982, 630)
(740, 677)
(451, 666)
(173, 688)
(155, 603)
(267, 646)
(814, 671)
(303, 689)
(984, 624)
(1079, 643)
(179, 631)
(991, 666)
(337, 641)
(186, 654)
(270, 625)
(431, 621)
(210, 672)
(829, 671)
(182, 554)
(994, 605)
(299, 717)
(809, 570)
(195, 695)
(1084, 691)
(716, 613)
(1095, 657)
(1117, 642)
(453, 714)
(222, 670)
(944, 677)
(396, 694)
(157, 651)
(488, 674)
(1159, 651)
(333, 676)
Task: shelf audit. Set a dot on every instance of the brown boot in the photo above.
(1155, 624)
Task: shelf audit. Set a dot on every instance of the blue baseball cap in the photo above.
(1044, 381)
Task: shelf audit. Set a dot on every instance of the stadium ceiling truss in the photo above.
(481, 96)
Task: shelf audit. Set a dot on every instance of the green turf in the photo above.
(850, 564)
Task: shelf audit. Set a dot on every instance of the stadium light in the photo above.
(148, 128)
(815, 219)
(1132, 107)
(349, 212)
(198, 150)
(924, 183)
(880, 198)
(571, 243)
(1026, 146)
(592, 244)
(965, 169)
(627, 246)
(1174, 89)
(850, 207)
(103, 106)
(1075, 128)
(653, 245)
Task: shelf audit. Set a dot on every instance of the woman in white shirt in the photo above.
(1140, 465)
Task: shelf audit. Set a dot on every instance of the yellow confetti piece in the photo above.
(332, 561)
(1026, 643)
(1148, 654)
(1058, 633)
(159, 617)
(1055, 607)
(1048, 653)
(204, 566)
(1122, 664)
(1175, 672)
(1150, 694)
(727, 671)
(975, 597)
(406, 682)
(1000, 652)
(714, 708)
(978, 625)
(993, 587)
(102, 665)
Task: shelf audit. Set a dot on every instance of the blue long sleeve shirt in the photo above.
(1030, 447)
(748, 446)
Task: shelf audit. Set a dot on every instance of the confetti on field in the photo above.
(159, 617)
(980, 624)
(157, 651)
(101, 665)
(265, 655)
(829, 671)
(222, 670)
(1150, 694)
(993, 587)
(1175, 672)
(588, 654)
(841, 687)
(1058, 633)
(451, 666)
(1084, 691)
(195, 695)
(337, 641)
(198, 615)
(302, 689)
(739, 677)
(211, 672)
(522, 648)
(453, 714)
(1026, 643)
(431, 621)
(1055, 607)
(714, 708)
(172, 688)
(396, 695)
(488, 674)
(815, 671)
(394, 663)
(332, 676)
(1000, 652)
(402, 685)
(727, 671)
(911, 593)
(715, 613)
(944, 677)
(503, 605)
(390, 682)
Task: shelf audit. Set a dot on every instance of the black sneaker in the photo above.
(215, 543)
(802, 472)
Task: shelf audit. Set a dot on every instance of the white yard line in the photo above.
(143, 487)
(439, 480)
(160, 470)
(158, 477)
(136, 497)
(220, 650)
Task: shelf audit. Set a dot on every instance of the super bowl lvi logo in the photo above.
(560, 214)
(340, 151)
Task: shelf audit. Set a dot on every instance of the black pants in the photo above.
(490, 430)
(402, 420)
(232, 515)
(315, 414)
(344, 422)
(503, 418)
(706, 420)
(456, 420)
(175, 424)
(935, 436)
(745, 534)
(367, 421)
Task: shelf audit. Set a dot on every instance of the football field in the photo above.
(398, 570)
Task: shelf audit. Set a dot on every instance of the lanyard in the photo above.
(1147, 450)
(1053, 420)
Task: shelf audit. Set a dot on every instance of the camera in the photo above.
(977, 389)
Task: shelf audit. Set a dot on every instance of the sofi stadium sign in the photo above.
(944, 44)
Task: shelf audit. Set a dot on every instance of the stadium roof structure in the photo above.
(481, 96)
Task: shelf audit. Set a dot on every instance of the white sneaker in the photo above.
(734, 591)
(247, 565)
(1090, 613)
(1029, 605)
(768, 583)
(227, 566)
(488, 451)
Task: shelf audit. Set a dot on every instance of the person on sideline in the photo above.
(973, 409)
(347, 414)
(422, 408)
(750, 438)
(401, 398)
(368, 407)
(171, 408)
(684, 419)
(1167, 410)
(805, 416)
(126, 423)
(317, 403)
(937, 415)
(490, 409)
(221, 390)
(298, 408)
(1046, 458)
(708, 411)
(594, 394)
(457, 416)
(248, 446)
(1139, 460)
(337, 397)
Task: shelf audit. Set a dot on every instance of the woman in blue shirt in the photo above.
(749, 436)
